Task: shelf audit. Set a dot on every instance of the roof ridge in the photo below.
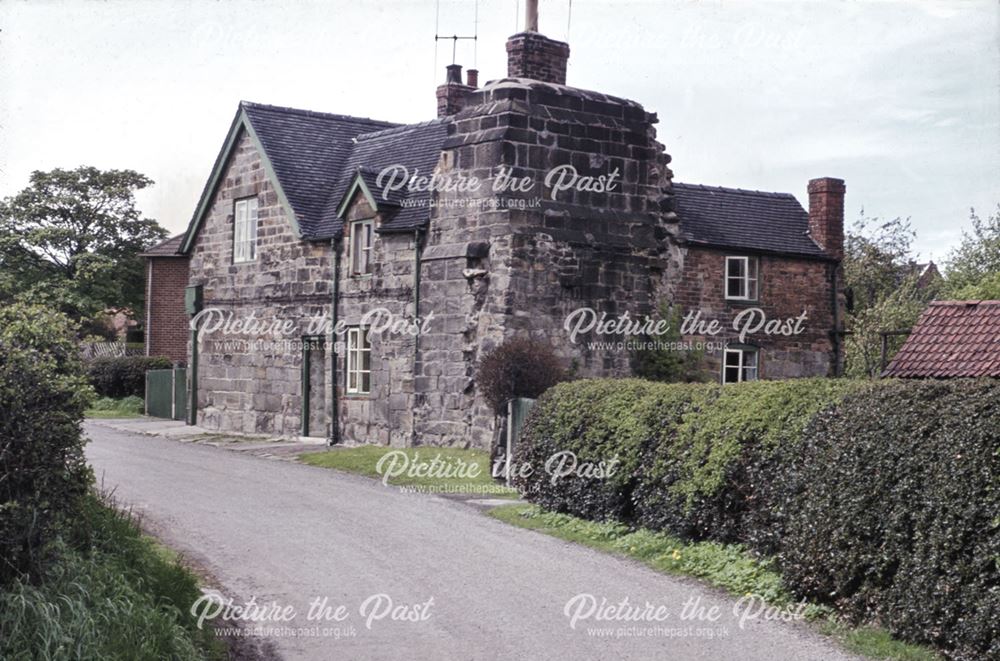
(400, 128)
(970, 303)
(316, 113)
(727, 189)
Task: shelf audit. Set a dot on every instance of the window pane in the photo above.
(366, 382)
(731, 375)
(734, 288)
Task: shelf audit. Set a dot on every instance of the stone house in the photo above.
(414, 271)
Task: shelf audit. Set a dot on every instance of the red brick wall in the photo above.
(166, 322)
(787, 287)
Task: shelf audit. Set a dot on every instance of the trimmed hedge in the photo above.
(714, 476)
(880, 499)
(124, 376)
(894, 513)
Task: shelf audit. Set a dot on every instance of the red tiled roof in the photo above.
(952, 338)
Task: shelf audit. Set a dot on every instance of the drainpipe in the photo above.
(417, 254)
(334, 403)
(193, 369)
(835, 299)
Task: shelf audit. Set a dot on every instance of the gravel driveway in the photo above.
(414, 576)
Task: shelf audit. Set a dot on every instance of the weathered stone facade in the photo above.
(251, 382)
(480, 265)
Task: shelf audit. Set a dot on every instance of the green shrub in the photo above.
(712, 476)
(43, 473)
(124, 376)
(893, 509)
(880, 499)
(599, 420)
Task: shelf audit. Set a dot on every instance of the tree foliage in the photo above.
(72, 239)
(883, 288)
(973, 269)
(658, 360)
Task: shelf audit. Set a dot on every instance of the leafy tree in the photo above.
(973, 269)
(883, 291)
(72, 239)
(875, 257)
(657, 361)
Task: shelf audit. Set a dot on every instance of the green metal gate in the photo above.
(166, 393)
(517, 414)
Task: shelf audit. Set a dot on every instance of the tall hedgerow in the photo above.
(43, 473)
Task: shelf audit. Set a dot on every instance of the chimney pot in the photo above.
(454, 74)
(472, 78)
(826, 214)
(451, 96)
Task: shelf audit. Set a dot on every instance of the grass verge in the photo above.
(110, 407)
(726, 566)
(433, 470)
(109, 593)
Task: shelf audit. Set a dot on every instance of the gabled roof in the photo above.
(302, 151)
(952, 339)
(417, 147)
(166, 248)
(745, 219)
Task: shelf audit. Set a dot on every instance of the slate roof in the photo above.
(746, 219)
(308, 151)
(952, 339)
(415, 146)
(166, 248)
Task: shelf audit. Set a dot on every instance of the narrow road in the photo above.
(288, 533)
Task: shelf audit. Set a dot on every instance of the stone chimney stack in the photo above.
(533, 55)
(452, 95)
(826, 214)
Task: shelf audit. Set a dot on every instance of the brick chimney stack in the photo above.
(826, 214)
(452, 95)
(533, 55)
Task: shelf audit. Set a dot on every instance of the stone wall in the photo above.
(383, 416)
(507, 264)
(252, 383)
(788, 287)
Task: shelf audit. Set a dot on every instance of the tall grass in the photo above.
(110, 594)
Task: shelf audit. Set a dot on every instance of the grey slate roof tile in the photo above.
(415, 146)
(737, 218)
(166, 248)
(308, 151)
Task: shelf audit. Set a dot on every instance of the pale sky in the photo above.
(900, 98)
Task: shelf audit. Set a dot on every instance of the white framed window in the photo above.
(245, 230)
(741, 278)
(740, 364)
(359, 361)
(362, 232)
